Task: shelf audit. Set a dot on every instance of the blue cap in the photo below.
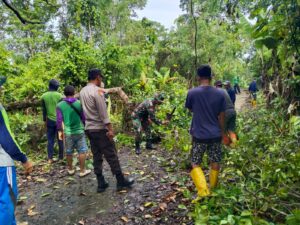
(2, 80)
(53, 84)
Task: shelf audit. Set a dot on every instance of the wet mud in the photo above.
(50, 196)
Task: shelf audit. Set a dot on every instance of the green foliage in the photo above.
(29, 133)
(79, 57)
(124, 139)
(259, 181)
(5, 67)
(32, 79)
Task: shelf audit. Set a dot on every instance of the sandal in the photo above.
(71, 172)
(85, 173)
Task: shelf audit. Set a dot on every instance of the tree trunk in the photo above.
(23, 105)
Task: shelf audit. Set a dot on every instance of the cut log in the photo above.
(22, 105)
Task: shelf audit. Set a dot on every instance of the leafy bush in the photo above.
(29, 132)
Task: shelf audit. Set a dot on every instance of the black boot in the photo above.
(149, 145)
(123, 183)
(137, 148)
(102, 184)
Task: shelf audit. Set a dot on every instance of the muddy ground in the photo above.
(242, 101)
(50, 196)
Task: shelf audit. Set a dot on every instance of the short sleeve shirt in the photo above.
(51, 99)
(206, 103)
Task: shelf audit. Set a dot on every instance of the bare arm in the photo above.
(44, 111)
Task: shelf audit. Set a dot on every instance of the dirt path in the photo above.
(50, 196)
(241, 101)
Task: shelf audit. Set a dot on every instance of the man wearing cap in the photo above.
(142, 117)
(100, 132)
(49, 102)
(9, 151)
(230, 91)
(207, 105)
(230, 118)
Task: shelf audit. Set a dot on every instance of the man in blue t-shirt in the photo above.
(208, 105)
(230, 91)
(253, 89)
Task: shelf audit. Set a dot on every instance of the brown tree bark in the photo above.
(22, 105)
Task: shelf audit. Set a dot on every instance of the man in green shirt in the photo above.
(236, 85)
(69, 112)
(49, 102)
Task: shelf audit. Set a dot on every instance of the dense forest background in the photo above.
(62, 39)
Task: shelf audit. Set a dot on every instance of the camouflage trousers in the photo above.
(213, 150)
(138, 127)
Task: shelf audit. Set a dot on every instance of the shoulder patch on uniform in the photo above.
(101, 91)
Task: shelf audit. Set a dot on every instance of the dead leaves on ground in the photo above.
(148, 216)
(31, 212)
(125, 219)
(148, 204)
(81, 222)
(163, 205)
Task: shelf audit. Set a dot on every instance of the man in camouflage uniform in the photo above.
(142, 117)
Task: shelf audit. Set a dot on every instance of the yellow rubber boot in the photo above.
(213, 178)
(200, 182)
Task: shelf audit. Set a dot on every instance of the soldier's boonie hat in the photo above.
(227, 83)
(2, 80)
(159, 97)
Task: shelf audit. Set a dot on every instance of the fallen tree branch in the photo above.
(22, 105)
(119, 91)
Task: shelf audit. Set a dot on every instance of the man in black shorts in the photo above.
(230, 137)
(208, 105)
